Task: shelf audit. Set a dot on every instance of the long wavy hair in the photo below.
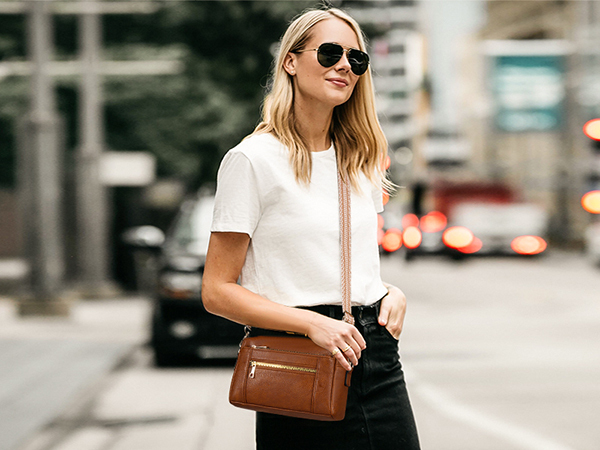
(355, 130)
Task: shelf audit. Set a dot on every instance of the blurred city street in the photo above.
(498, 354)
(115, 116)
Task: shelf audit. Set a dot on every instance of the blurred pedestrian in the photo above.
(276, 224)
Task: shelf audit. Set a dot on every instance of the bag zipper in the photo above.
(254, 364)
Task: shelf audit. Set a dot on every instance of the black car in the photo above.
(182, 329)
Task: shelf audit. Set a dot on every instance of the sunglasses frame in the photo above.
(345, 50)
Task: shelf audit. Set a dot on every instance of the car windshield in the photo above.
(192, 230)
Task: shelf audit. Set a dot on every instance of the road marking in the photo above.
(514, 434)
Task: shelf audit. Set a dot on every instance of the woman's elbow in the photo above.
(210, 297)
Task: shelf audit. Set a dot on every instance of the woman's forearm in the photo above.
(240, 305)
(236, 303)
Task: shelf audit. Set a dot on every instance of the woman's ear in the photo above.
(289, 64)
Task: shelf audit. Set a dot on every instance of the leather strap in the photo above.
(345, 250)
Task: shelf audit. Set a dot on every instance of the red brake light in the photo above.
(433, 222)
(410, 220)
(380, 234)
(528, 245)
(457, 237)
(392, 240)
(386, 197)
(412, 237)
(473, 247)
(387, 162)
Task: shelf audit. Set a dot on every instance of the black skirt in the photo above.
(378, 414)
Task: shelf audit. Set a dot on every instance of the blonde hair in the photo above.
(355, 129)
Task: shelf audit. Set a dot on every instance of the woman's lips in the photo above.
(339, 82)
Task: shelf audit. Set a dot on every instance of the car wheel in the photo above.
(163, 358)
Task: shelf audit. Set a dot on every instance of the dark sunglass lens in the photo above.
(359, 61)
(329, 54)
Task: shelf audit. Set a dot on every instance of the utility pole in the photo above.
(40, 172)
(92, 220)
(91, 201)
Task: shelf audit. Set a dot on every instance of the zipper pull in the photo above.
(253, 369)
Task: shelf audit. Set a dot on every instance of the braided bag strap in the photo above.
(345, 250)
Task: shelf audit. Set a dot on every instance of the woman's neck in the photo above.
(313, 125)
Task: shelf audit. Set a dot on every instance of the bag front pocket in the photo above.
(285, 383)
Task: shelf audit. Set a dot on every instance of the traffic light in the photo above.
(590, 201)
(592, 129)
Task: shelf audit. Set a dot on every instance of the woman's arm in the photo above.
(222, 296)
(393, 310)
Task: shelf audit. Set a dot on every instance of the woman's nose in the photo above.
(343, 63)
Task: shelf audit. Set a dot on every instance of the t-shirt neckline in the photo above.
(324, 153)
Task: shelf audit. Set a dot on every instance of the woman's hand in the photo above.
(393, 310)
(343, 340)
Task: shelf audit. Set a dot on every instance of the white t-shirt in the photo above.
(294, 252)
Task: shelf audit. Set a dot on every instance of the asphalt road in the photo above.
(503, 353)
(498, 354)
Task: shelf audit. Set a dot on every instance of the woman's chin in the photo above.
(327, 97)
(337, 100)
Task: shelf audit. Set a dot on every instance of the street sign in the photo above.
(527, 81)
(127, 168)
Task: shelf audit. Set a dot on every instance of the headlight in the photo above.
(180, 285)
(182, 329)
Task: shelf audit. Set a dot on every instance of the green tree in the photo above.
(188, 120)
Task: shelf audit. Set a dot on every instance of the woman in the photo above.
(276, 224)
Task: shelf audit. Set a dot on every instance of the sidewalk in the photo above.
(46, 363)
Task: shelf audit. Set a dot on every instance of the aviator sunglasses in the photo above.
(329, 54)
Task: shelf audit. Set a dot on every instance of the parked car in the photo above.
(181, 328)
(505, 228)
(475, 218)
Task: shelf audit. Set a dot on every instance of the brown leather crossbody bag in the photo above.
(291, 375)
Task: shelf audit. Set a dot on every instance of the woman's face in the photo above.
(315, 84)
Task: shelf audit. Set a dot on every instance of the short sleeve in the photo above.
(377, 195)
(237, 200)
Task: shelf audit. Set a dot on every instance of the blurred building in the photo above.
(442, 71)
(587, 96)
(397, 61)
(540, 151)
(444, 151)
(528, 20)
